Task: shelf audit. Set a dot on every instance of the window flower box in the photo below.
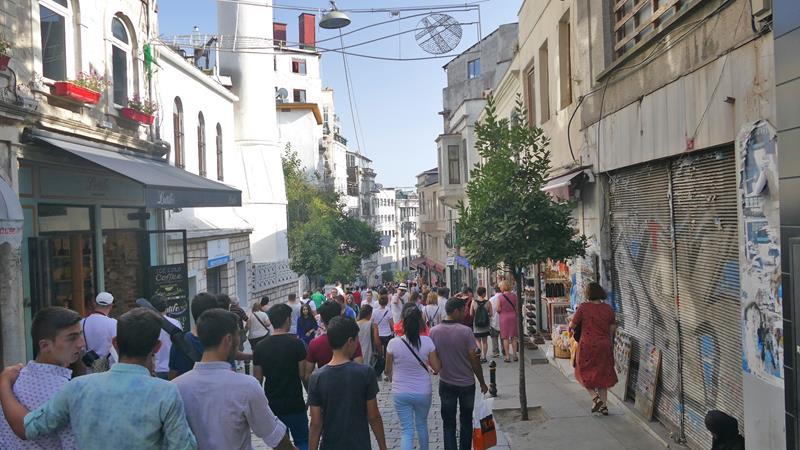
(74, 92)
(138, 116)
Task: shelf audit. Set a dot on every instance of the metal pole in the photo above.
(492, 378)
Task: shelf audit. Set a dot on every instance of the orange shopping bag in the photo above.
(484, 434)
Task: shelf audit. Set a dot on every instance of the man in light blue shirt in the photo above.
(122, 408)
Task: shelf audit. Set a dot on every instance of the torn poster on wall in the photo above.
(582, 272)
(761, 295)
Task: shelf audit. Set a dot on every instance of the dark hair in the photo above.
(365, 312)
(454, 304)
(223, 301)
(137, 332)
(214, 324)
(292, 297)
(279, 314)
(412, 321)
(383, 291)
(304, 307)
(340, 298)
(414, 297)
(328, 311)
(340, 330)
(158, 303)
(443, 292)
(201, 303)
(48, 322)
(264, 300)
(481, 291)
(595, 292)
(467, 290)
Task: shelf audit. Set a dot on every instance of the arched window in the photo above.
(177, 127)
(55, 23)
(201, 144)
(121, 62)
(220, 175)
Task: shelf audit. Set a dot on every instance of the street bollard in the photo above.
(493, 379)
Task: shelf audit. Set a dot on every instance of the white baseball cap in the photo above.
(104, 299)
(403, 286)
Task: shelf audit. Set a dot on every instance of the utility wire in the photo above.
(350, 96)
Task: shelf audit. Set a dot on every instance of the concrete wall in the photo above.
(787, 94)
(239, 245)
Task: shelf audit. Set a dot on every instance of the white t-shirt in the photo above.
(257, 330)
(408, 376)
(397, 306)
(310, 303)
(495, 323)
(295, 315)
(382, 317)
(435, 313)
(98, 330)
(162, 356)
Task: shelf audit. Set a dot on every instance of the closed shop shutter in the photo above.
(707, 249)
(642, 273)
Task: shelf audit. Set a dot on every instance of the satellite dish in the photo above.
(281, 95)
(438, 33)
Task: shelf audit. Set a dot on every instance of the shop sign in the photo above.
(11, 233)
(172, 283)
(451, 261)
(218, 253)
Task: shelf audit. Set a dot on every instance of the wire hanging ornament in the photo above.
(439, 34)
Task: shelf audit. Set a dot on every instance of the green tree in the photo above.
(323, 240)
(527, 226)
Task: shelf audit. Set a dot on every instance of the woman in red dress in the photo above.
(508, 311)
(594, 363)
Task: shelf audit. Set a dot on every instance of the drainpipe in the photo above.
(681, 439)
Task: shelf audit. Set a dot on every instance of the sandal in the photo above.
(597, 403)
(516, 359)
(604, 409)
(508, 360)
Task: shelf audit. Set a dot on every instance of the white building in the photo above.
(396, 216)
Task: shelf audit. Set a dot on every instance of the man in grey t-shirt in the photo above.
(460, 365)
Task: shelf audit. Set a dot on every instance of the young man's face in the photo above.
(66, 348)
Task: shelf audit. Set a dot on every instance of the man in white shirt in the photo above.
(295, 305)
(99, 329)
(398, 300)
(494, 330)
(162, 356)
(306, 300)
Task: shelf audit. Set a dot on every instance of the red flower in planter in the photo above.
(140, 110)
(86, 87)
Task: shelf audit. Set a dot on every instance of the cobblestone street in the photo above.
(391, 424)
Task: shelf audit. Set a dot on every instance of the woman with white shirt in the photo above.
(410, 360)
(258, 325)
(434, 312)
(382, 316)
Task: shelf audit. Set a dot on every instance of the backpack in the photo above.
(431, 322)
(481, 315)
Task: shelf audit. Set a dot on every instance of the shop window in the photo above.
(299, 66)
(121, 63)
(464, 157)
(474, 68)
(544, 84)
(201, 144)
(299, 96)
(214, 280)
(54, 18)
(220, 176)
(54, 218)
(530, 86)
(122, 218)
(177, 127)
(564, 60)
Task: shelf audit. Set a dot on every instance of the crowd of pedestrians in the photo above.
(139, 381)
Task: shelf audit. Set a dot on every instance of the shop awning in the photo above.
(559, 186)
(428, 263)
(165, 186)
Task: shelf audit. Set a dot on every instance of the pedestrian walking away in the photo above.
(211, 391)
(382, 316)
(494, 330)
(98, 331)
(460, 367)
(434, 311)
(162, 357)
(482, 321)
(57, 334)
(594, 363)
(409, 363)
(724, 430)
(277, 361)
(342, 396)
(368, 335)
(258, 325)
(293, 303)
(320, 351)
(124, 407)
(508, 311)
(179, 362)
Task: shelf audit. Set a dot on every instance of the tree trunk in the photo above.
(523, 396)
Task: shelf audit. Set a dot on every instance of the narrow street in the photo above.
(559, 416)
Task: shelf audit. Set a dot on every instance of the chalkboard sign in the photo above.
(622, 363)
(649, 370)
(172, 283)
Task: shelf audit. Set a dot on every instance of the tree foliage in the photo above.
(323, 240)
(508, 218)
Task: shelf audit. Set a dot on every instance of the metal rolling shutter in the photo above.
(707, 248)
(642, 273)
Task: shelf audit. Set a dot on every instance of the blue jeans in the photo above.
(298, 428)
(412, 410)
(453, 397)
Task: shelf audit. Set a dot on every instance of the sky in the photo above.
(397, 102)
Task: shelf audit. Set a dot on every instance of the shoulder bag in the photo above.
(419, 360)
(509, 302)
(255, 314)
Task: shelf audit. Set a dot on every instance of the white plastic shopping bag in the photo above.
(484, 433)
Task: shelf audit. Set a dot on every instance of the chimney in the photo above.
(308, 31)
(279, 33)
